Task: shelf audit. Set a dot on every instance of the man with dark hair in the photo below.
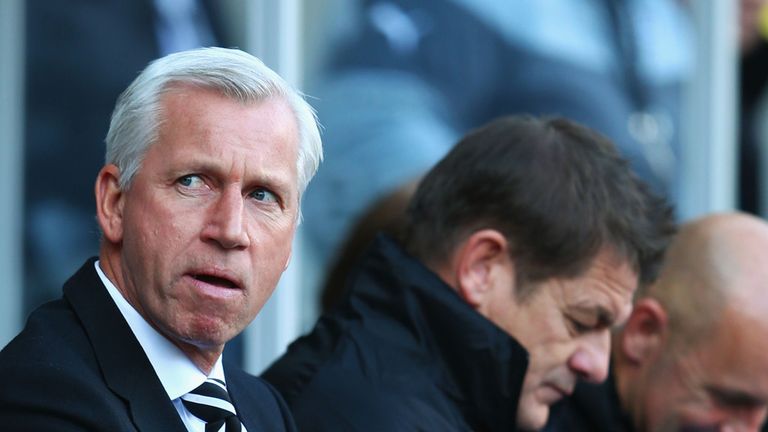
(524, 247)
(693, 355)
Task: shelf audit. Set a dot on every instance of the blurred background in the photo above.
(677, 85)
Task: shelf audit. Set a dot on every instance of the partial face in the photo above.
(719, 385)
(207, 224)
(565, 326)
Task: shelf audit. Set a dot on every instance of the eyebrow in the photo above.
(735, 398)
(269, 179)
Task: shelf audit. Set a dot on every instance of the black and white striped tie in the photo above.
(210, 403)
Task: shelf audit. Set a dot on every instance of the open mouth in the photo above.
(216, 281)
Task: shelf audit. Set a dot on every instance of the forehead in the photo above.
(606, 288)
(202, 126)
(208, 111)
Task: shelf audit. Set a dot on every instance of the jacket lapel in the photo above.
(125, 367)
(248, 407)
(258, 406)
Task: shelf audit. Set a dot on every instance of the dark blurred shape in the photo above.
(417, 74)
(385, 216)
(752, 81)
(754, 76)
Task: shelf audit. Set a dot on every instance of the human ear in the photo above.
(482, 262)
(643, 334)
(109, 203)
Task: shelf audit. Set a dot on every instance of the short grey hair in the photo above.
(234, 73)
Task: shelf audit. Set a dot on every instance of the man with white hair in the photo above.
(208, 153)
(693, 355)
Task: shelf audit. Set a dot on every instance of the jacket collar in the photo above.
(592, 407)
(256, 402)
(124, 365)
(483, 368)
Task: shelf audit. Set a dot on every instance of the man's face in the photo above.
(721, 384)
(208, 221)
(564, 324)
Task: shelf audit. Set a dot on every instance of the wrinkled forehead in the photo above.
(606, 287)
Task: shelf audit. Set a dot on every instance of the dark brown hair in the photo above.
(558, 191)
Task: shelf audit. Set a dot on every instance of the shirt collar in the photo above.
(177, 373)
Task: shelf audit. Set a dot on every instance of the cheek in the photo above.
(549, 360)
(151, 223)
(158, 246)
(269, 252)
(698, 414)
(550, 343)
(670, 401)
(161, 237)
(272, 240)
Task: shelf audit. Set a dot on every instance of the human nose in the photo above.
(738, 427)
(590, 360)
(746, 421)
(225, 221)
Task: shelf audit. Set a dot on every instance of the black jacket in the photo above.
(77, 366)
(591, 408)
(402, 353)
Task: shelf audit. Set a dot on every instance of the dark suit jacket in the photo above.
(77, 366)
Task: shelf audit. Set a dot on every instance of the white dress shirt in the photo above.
(176, 371)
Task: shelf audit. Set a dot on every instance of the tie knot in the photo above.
(210, 403)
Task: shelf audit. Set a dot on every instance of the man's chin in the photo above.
(532, 415)
(677, 425)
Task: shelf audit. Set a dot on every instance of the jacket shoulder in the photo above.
(257, 402)
(346, 400)
(51, 379)
(369, 387)
(51, 337)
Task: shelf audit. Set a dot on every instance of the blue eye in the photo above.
(264, 195)
(190, 180)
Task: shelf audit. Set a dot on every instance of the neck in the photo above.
(204, 359)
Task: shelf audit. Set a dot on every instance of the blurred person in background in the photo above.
(753, 48)
(693, 356)
(414, 75)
